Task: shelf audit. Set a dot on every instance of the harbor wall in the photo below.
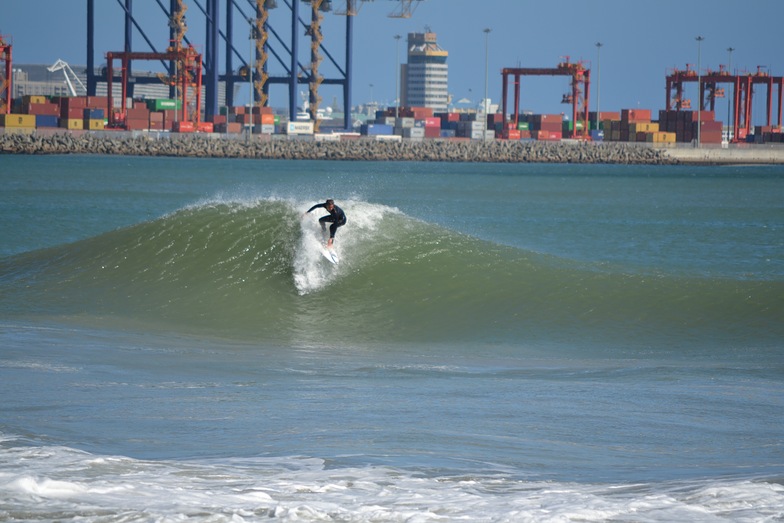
(368, 149)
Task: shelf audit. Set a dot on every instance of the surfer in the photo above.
(336, 217)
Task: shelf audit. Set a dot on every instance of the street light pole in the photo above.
(598, 80)
(250, 79)
(484, 103)
(729, 100)
(699, 90)
(397, 78)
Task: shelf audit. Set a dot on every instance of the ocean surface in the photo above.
(498, 343)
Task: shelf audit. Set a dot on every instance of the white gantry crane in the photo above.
(62, 65)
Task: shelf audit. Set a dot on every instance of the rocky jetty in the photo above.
(285, 148)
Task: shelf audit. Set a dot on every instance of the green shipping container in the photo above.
(522, 126)
(163, 104)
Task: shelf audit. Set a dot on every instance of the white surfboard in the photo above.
(330, 255)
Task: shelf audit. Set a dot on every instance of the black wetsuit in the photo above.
(336, 217)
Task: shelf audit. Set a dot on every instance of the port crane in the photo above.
(742, 95)
(267, 41)
(6, 79)
(579, 96)
(62, 65)
(405, 8)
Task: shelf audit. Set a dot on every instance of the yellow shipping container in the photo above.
(24, 121)
(661, 137)
(74, 124)
(646, 127)
(94, 125)
(33, 99)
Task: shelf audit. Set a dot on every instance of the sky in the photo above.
(642, 41)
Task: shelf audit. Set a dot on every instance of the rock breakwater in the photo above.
(283, 148)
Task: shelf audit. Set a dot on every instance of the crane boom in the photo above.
(62, 65)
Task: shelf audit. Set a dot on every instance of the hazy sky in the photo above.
(642, 41)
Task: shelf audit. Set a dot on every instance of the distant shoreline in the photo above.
(367, 149)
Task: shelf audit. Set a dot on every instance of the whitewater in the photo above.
(498, 343)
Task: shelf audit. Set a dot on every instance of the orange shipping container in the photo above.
(267, 118)
(636, 115)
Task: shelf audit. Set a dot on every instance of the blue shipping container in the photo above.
(448, 133)
(597, 136)
(93, 114)
(376, 129)
(45, 120)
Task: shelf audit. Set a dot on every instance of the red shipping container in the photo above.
(267, 119)
(604, 115)
(450, 117)
(47, 109)
(205, 127)
(138, 113)
(432, 121)
(137, 124)
(636, 115)
(72, 113)
(711, 126)
(98, 102)
(183, 127)
(156, 126)
(704, 116)
(710, 137)
(78, 102)
(262, 110)
(219, 118)
(511, 134)
(432, 132)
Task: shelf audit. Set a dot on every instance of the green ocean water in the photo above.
(498, 343)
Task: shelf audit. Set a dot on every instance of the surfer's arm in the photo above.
(315, 207)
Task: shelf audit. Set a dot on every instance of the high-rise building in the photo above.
(425, 78)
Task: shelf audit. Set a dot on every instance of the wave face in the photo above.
(253, 270)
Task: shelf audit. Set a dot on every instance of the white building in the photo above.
(425, 78)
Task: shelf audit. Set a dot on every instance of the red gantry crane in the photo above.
(742, 95)
(189, 75)
(580, 83)
(6, 79)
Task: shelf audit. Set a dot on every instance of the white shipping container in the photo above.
(327, 137)
(299, 128)
(414, 132)
(406, 122)
(387, 137)
(483, 134)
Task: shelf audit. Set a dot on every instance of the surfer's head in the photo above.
(330, 203)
